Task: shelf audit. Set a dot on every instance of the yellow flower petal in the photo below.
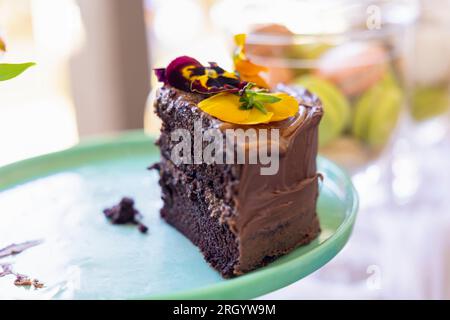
(257, 116)
(225, 106)
(283, 109)
(239, 39)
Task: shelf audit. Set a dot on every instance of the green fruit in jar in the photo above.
(429, 102)
(302, 57)
(308, 51)
(385, 119)
(377, 111)
(336, 107)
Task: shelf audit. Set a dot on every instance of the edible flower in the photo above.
(173, 74)
(186, 73)
(250, 106)
(239, 97)
(247, 70)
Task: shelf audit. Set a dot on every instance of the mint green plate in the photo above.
(60, 197)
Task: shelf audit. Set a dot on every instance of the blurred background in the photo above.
(381, 69)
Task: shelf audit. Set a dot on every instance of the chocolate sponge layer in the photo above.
(196, 212)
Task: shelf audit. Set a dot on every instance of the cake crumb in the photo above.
(37, 284)
(142, 228)
(25, 281)
(22, 281)
(125, 213)
(6, 269)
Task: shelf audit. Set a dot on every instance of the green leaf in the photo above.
(12, 70)
(258, 105)
(266, 98)
(243, 107)
(255, 98)
(248, 86)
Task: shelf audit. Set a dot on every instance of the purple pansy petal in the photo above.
(197, 87)
(220, 82)
(160, 74)
(174, 72)
(173, 76)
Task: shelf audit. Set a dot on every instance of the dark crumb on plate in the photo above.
(7, 269)
(24, 281)
(37, 284)
(124, 212)
(142, 228)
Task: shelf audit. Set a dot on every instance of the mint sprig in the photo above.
(255, 98)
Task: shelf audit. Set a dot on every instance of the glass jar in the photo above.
(352, 54)
(431, 68)
(430, 73)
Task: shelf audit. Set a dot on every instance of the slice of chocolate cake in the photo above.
(240, 217)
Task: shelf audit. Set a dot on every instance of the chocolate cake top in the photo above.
(309, 108)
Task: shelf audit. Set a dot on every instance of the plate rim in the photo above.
(324, 251)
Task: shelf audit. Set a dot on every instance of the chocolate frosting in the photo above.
(265, 200)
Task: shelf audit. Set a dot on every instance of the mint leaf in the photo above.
(258, 105)
(266, 98)
(255, 98)
(12, 70)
